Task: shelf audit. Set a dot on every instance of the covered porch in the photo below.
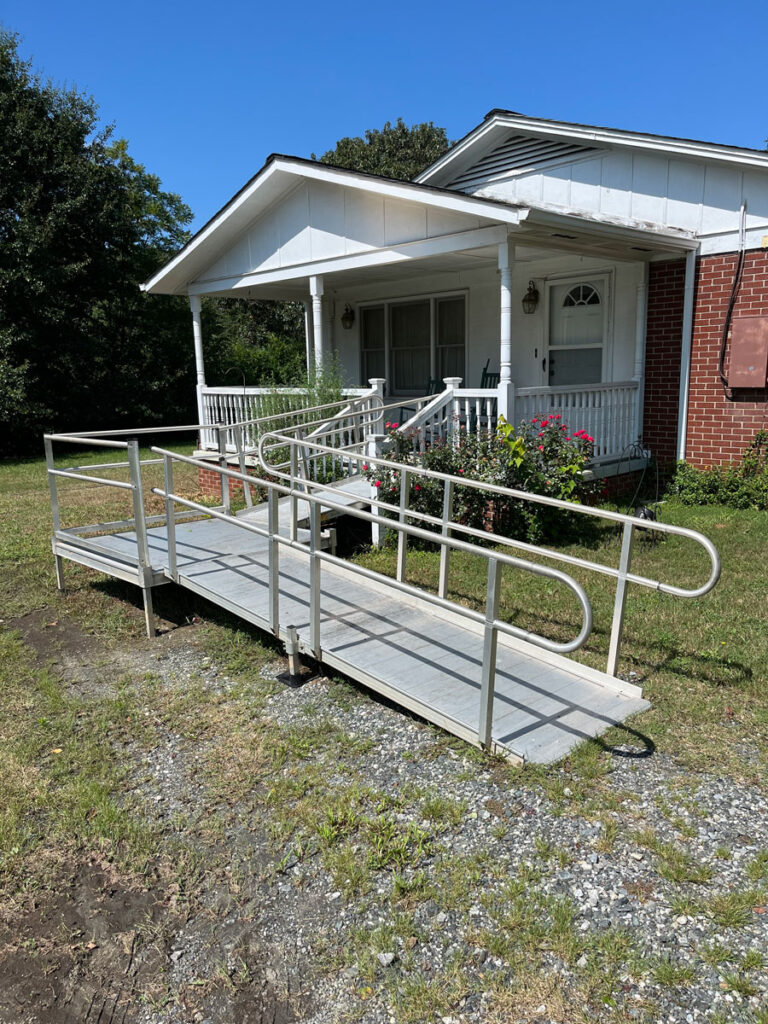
(489, 309)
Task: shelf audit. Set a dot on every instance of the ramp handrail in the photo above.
(492, 624)
(622, 573)
(284, 478)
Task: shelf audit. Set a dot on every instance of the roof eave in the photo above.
(609, 137)
(431, 195)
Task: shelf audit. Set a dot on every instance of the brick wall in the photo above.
(666, 289)
(210, 483)
(718, 429)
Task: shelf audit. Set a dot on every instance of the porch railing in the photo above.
(607, 412)
(246, 405)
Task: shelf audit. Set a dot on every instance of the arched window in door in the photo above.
(576, 333)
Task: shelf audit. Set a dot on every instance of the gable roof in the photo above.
(561, 139)
(276, 178)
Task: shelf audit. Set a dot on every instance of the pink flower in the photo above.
(541, 447)
(395, 426)
(378, 483)
(461, 470)
(590, 438)
(557, 416)
(564, 427)
(534, 420)
(387, 424)
(541, 433)
(365, 466)
(417, 487)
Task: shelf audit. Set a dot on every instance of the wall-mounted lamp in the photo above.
(531, 298)
(347, 318)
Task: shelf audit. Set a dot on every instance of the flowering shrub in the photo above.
(743, 484)
(541, 456)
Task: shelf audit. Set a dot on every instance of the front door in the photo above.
(577, 328)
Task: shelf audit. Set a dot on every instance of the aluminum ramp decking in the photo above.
(423, 658)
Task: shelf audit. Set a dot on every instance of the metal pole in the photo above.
(274, 563)
(142, 544)
(490, 643)
(617, 625)
(221, 436)
(55, 515)
(170, 518)
(238, 436)
(314, 578)
(445, 551)
(402, 536)
(294, 499)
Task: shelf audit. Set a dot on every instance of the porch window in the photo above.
(413, 340)
(372, 339)
(410, 334)
(576, 332)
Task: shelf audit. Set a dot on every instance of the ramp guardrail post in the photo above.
(142, 543)
(170, 518)
(221, 439)
(402, 536)
(373, 446)
(445, 551)
(55, 514)
(314, 578)
(619, 606)
(294, 522)
(237, 433)
(490, 644)
(274, 563)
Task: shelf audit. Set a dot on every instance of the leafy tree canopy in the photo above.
(81, 225)
(394, 151)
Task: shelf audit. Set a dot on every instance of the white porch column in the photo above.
(316, 291)
(506, 387)
(196, 305)
(308, 335)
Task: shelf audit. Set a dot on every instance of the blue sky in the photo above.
(204, 92)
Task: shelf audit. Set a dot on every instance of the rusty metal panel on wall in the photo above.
(749, 352)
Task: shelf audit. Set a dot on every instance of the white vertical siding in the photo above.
(642, 187)
(320, 220)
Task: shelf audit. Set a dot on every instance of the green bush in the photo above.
(540, 456)
(740, 485)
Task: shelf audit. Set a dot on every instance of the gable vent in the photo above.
(518, 153)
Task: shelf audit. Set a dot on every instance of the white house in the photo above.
(590, 268)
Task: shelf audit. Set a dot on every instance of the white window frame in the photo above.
(604, 280)
(433, 297)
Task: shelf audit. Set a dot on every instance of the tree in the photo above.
(81, 225)
(395, 151)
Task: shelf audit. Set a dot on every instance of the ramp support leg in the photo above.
(292, 652)
(59, 562)
(149, 614)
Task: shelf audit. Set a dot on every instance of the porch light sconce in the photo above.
(347, 318)
(531, 298)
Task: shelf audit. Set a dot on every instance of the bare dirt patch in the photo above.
(76, 952)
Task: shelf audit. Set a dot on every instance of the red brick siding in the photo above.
(718, 429)
(666, 289)
(210, 483)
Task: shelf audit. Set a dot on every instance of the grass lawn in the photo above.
(703, 663)
(83, 713)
